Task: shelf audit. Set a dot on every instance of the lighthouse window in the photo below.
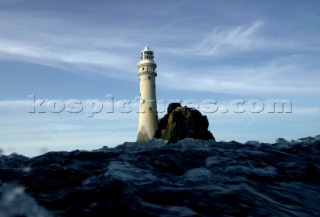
(149, 77)
(150, 108)
(142, 68)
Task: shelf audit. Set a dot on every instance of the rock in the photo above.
(182, 122)
(189, 178)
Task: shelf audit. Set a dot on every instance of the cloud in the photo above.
(29, 133)
(29, 38)
(239, 58)
(68, 58)
(244, 60)
(274, 77)
(258, 37)
(227, 40)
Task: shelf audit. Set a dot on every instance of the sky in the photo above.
(68, 69)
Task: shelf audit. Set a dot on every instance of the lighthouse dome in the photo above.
(146, 54)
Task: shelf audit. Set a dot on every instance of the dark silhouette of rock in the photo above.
(183, 122)
(188, 178)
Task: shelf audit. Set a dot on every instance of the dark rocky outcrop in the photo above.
(194, 178)
(183, 122)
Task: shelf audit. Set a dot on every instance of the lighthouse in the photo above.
(148, 115)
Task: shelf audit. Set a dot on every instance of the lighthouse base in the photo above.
(143, 136)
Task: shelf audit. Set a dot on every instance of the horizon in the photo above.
(253, 53)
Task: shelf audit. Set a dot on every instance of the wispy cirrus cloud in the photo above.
(227, 40)
(44, 39)
(285, 76)
(246, 59)
(67, 57)
(222, 40)
(258, 36)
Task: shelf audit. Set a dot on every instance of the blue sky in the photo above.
(222, 51)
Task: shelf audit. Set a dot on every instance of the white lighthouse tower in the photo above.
(148, 115)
